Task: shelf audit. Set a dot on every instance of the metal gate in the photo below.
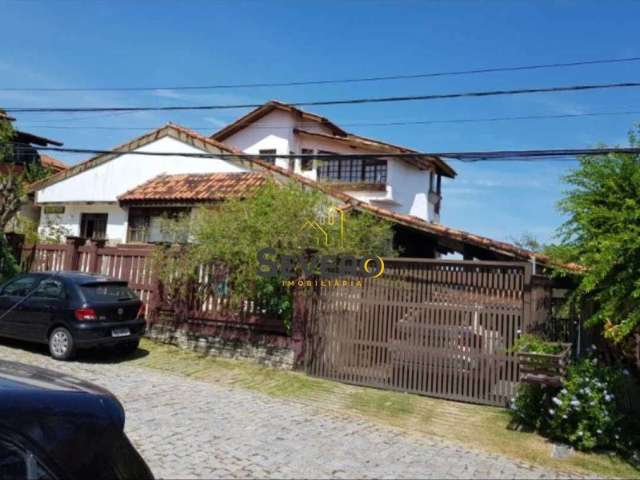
(438, 328)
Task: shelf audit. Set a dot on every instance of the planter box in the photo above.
(544, 368)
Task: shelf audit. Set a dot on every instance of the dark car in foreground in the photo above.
(57, 427)
(71, 310)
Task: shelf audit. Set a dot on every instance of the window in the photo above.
(52, 289)
(148, 225)
(93, 225)
(353, 170)
(18, 464)
(268, 155)
(20, 287)
(53, 209)
(306, 163)
(107, 292)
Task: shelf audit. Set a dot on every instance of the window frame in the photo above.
(85, 216)
(35, 284)
(268, 155)
(354, 170)
(306, 163)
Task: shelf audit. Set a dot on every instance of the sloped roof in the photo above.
(169, 130)
(205, 187)
(264, 110)
(337, 133)
(422, 162)
(53, 163)
(211, 145)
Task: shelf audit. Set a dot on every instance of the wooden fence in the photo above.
(439, 328)
(206, 301)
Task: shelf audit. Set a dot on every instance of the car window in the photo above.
(49, 289)
(19, 464)
(107, 292)
(20, 286)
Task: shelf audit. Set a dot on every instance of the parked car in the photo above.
(57, 427)
(71, 310)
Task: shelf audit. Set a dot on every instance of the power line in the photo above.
(330, 81)
(462, 156)
(352, 101)
(363, 124)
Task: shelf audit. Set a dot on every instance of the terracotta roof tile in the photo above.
(207, 187)
(55, 164)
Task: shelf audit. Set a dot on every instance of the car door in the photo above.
(39, 310)
(12, 297)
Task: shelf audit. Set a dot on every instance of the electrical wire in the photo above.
(329, 81)
(462, 156)
(361, 124)
(352, 101)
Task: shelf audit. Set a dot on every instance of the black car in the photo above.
(56, 427)
(71, 310)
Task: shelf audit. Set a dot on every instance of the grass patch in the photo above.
(480, 427)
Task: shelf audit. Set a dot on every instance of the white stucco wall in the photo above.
(407, 187)
(96, 190)
(69, 222)
(105, 182)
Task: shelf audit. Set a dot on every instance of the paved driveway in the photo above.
(191, 429)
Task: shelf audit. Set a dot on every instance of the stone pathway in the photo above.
(190, 429)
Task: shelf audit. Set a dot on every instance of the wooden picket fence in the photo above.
(206, 301)
(439, 328)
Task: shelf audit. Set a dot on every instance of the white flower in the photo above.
(556, 400)
(580, 433)
(599, 432)
(617, 436)
(565, 416)
(552, 412)
(593, 347)
(564, 391)
(626, 372)
(575, 403)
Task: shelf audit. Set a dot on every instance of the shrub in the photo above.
(584, 412)
(535, 344)
(527, 407)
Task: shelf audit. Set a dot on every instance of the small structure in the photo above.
(544, 368)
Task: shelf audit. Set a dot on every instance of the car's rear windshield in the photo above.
(107, 292)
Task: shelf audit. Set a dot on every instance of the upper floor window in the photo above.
(268, 155)
(353, 170)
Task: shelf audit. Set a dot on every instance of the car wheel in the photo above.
(61, 345)
(129, 347)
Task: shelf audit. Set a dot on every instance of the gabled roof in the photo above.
(169, 130)
(337, 134)
(270, 106)
(422, 162)
(210, 145)
(53, 163)
(206, 187)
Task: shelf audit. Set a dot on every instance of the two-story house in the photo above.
(410, 185)
(121, 196)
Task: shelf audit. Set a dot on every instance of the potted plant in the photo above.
(541, 361)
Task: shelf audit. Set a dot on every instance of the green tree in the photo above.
(602, 234)
(13, 179)
(275, 216)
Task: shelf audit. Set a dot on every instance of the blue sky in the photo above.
(88, 44)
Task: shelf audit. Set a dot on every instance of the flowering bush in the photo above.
(584, 412)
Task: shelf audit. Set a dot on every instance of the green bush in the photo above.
(532, 343)
(527, 407)
(586, 412)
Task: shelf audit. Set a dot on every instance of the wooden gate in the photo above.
(433, 327)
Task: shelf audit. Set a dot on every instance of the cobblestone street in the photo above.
(189, 429)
